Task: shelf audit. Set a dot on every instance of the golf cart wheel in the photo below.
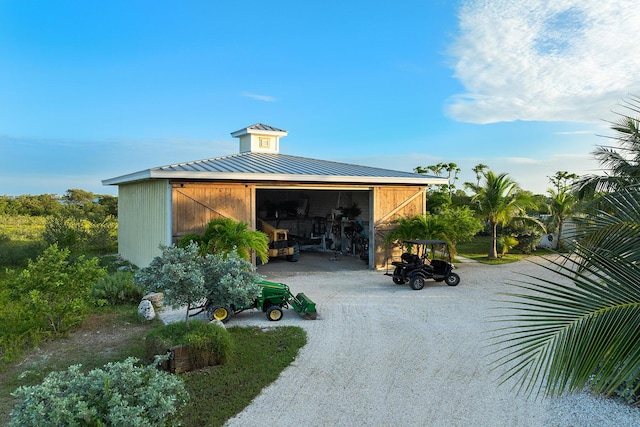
(397, 276)
(274, 313)
(416, 283)
(452, 280)
(217, 312)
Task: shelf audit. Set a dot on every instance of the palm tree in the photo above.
(499, 201)
(226, 234)
(561, 206)
(416, 227)
(479, 171)
(565, 337)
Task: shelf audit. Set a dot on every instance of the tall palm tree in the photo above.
(499, 201)
(563, 337)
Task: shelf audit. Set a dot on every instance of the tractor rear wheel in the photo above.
(452, 279)
(416, 282)
(274, 313)
(217, 312)
(296, 252)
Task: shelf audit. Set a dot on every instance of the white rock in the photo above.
(145, 310)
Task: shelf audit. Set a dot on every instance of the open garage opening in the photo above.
(334, 222)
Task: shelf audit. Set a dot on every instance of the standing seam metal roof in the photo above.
(281, 164)
(265, 166)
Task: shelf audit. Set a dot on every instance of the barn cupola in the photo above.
(259, 138)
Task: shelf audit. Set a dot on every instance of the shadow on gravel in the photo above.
(312, 262)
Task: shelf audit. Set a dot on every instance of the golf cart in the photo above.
(432, 261)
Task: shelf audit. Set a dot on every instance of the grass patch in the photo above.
(220, 392)
(22, 227)
(478, 249)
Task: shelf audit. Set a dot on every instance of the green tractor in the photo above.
(273, 299)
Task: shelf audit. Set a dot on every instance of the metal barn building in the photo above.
(306, 196)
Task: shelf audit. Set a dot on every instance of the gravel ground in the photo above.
(381, 354)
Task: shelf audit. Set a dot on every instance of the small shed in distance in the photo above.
(159, 205)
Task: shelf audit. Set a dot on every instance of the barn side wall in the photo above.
(143, 219)
(389, 204)
(195, 204)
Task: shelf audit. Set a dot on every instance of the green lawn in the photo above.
(478, 249)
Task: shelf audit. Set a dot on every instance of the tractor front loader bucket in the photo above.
(303, 305)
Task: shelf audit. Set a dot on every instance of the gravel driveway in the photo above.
(381, 354)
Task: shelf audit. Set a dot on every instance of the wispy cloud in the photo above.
(565, 60)
(265, 98)
(576, 132)
(522, 160)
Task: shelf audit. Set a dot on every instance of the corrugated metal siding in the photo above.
(142, 220)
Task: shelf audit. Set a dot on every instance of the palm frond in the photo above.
(563, 337)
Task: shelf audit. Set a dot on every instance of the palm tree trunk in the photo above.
(493, 252)
(559, 233)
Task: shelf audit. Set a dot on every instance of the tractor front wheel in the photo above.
(416, 282)
(217, 312)
(274, 313)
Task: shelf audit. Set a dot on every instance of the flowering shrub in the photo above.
(119, 394)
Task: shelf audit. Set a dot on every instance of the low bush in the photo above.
(81, 235)
(117, 288)
(119, 394)
(208, 343)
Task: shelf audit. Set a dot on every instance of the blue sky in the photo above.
(94, 90)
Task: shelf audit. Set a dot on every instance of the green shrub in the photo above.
(54, 290)
(119, 394)
(18, 330)
(102, 236)
(505, 243)
(117, 288)
(209, 344)
(527, 235)
(81, 235)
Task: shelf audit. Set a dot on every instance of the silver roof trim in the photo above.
(245, 176)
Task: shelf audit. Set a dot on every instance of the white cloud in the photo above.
(539, 60)
(265, 98)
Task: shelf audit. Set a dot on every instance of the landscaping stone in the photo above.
(145, 310)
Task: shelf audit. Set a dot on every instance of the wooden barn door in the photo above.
(389, 204)
(195, 204)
